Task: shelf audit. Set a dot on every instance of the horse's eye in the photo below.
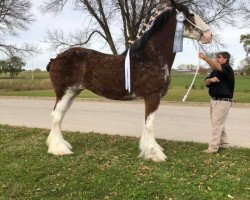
(191, 15)
(190, 29)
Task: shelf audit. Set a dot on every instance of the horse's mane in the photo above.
(157, 25)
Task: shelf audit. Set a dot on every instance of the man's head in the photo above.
(223, 57)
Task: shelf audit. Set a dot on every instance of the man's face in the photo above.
(221, 60)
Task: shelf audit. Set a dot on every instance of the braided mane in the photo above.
(159, 22)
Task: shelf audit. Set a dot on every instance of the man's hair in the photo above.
(225, 54)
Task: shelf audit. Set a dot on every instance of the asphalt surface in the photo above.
(180, 122)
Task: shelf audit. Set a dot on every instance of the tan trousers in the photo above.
(218, 114)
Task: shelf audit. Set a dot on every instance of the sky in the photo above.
(70, 20)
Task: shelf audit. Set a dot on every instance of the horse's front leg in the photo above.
(56, 143)
(150, 149)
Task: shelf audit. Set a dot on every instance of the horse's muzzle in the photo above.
(206, 37)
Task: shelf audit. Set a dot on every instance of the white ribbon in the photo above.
(127, 72)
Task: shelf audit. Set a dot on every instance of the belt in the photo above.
(222, 99)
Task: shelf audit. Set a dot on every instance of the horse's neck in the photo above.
(161, 45)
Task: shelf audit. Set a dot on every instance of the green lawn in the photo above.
(107, 167)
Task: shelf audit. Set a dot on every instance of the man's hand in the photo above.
(211, 80)
(202, 55)
(214, 80)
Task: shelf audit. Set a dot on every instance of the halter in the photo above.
(194, 25)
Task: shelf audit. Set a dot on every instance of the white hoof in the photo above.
(153, 153)
(59, 147)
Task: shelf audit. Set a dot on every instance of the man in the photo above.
(221, 88)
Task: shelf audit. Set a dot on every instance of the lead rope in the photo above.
(196, 73)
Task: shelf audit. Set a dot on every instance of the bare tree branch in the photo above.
(15, 16)
(58, 40)
(131, 15)
(12, 50)
(54, 6)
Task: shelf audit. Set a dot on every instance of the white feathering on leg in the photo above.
(150, 149)
(57, 145)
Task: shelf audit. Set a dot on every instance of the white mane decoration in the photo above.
(156, 12)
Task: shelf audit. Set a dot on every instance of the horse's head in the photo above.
(195, 27)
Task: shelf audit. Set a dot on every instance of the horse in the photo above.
(151, 59)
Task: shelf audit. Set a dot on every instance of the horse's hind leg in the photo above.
(150, 149)
(57, 145)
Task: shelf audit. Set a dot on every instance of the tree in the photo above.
(203, 70)
(244, 67)
(185, 67)
(245, 64)
(130, 16)
(12, 65)
(3, 64)
(107, 13)
(15, 16)
(245, 39)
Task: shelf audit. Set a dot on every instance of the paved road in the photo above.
(173, 121)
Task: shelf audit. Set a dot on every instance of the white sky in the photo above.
(70, 20)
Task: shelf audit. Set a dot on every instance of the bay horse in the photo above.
(151, 59)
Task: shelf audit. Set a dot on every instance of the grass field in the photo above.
(41, 87)
(107, 167)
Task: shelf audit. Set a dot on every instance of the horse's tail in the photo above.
(48, 65)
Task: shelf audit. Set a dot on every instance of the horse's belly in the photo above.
(122, 95)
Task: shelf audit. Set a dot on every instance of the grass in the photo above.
(41, 87)
(107, 167)
(27, 75)
(24, 85)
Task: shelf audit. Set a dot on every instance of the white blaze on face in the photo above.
(204, 35)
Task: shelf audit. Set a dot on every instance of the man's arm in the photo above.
(213, 64)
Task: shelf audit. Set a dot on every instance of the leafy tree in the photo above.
(244, 67)
(130, 16)
(245, 39)
(203, 70)
(186, 67)
(37, 70)
(12, 65)
(245, 64)
(15, 16)
(3, 64)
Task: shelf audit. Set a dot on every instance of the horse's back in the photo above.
(100, 73)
